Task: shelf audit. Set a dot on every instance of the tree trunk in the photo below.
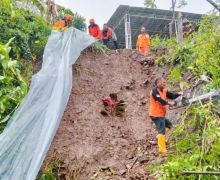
(173, 21)
(215, 5)
(27, 3)
(179, 28)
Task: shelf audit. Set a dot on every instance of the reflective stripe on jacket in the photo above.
(156, 108)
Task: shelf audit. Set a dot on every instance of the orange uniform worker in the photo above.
(94, 29)
(158, 107)
(64, 23)
(143, 42)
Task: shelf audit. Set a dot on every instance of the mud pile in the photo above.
(91, 146)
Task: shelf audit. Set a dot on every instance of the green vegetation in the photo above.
(78, 21)
(199, 54)
(12, 85)
(36, 3)
(30, 31)
(181, 3)
(98, 48)
(195, 144)
(27, 34)
(51, 170)
(23, 36)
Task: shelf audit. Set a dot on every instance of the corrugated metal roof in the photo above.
(156, 21)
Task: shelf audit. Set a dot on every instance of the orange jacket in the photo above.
(156, 108)
(143, 43)
(59, 24)
(106, 34)
(95, 31)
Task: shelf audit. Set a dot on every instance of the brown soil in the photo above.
(89, 145)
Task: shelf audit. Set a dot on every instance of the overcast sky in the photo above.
(102, 10)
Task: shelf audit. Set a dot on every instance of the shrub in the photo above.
(30, 31)
(12, 85)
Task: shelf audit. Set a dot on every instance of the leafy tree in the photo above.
(12, 85)
(78, 21)
(37, 3)
(195, 143)
(30, 31)
(152, 3)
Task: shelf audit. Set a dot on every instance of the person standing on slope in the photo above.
(94, 29)
(143, 42)
(64, 23)
(158, 107)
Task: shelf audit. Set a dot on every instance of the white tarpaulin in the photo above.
(27, 138)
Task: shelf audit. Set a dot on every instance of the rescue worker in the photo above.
(158, 107)
(94, 29)
(143, 41)
(107, 35)
(64, 23)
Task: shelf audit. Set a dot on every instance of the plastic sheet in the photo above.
(27, 138)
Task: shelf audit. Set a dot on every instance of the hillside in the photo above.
(89, 145)
(86, 140)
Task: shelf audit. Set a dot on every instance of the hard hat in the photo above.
(92, 20)
(69, 17)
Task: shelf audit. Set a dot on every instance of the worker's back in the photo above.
(95, 31)
(60, 25)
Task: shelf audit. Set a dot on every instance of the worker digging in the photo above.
(109, 35)
(158, 107)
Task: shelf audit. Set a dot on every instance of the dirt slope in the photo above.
(89, 145)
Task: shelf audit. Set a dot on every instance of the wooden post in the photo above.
(179, 27)
(173, 22)
(127, 21)
(171, 29)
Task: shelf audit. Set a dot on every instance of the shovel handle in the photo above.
(177, 107)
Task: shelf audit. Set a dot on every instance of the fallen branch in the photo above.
(202, 172)
(132, 165)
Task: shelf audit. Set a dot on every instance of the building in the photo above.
(127, 20)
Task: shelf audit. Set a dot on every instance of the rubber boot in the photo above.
(161, 140)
